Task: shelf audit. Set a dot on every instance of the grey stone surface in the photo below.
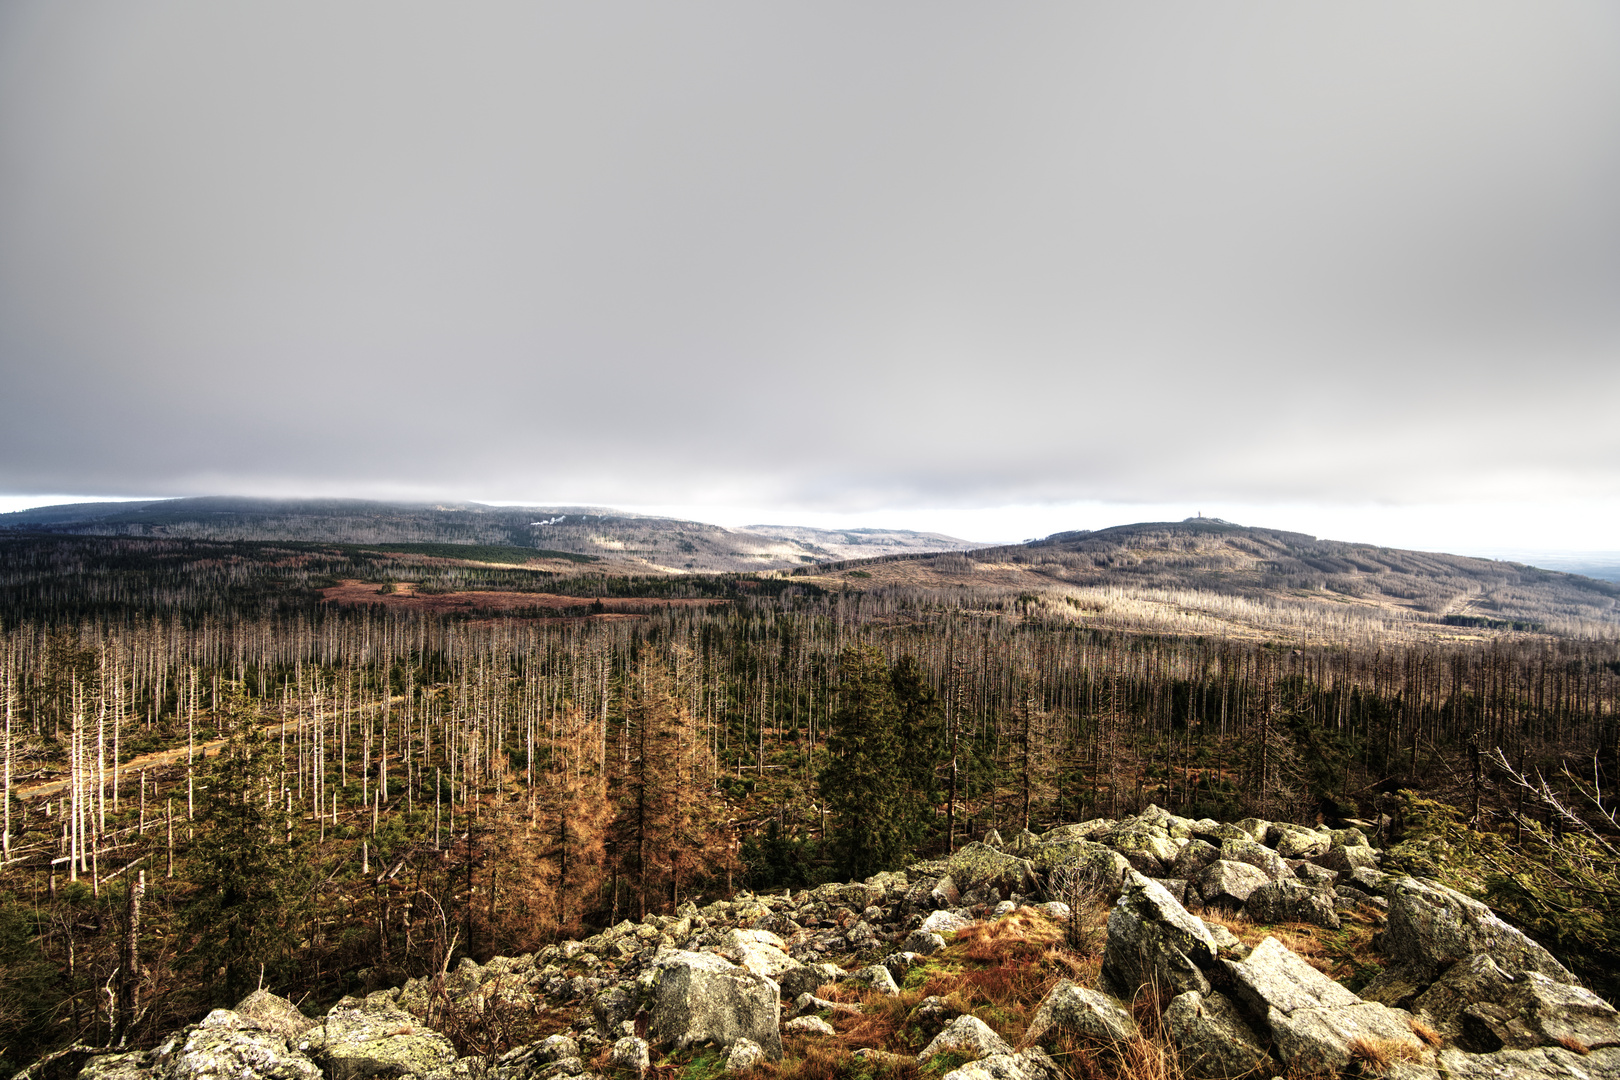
(1481, 1008)
(277, 1014)
(968, 1036)
(877, 977)
(1431, 926)
(225, 1047)
(922, 942)
(354, 1043)
(1293, 842)
(944, 922)
(1212, 1039)
(1088, 1013)
(1258, 856)
(1290, 901)
(1543, 1063)
(701, 998)
(1032, 1064)
(1348, 859)
(1229, 883)
(1313, 1020)
(135, 1065)
(809, 1025)
(744, 1055)
(1191, 860)
(979, 866)
(632, 1053)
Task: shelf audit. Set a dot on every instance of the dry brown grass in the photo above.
(1574, 1045)
(1431, 1038)
(1377, 1055)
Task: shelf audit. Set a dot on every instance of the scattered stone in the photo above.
(632, 1053)
(933, 1007)
(809, 1025)
(922, 942)
(877, 977)
(744, 1055)
(967, 1035)
(944, 922)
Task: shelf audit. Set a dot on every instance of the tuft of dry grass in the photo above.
(1574, 1045)
(1377, 1055)
(1431, 1038)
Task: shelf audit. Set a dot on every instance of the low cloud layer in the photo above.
(834, 256)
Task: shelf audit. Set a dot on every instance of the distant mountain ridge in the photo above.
(1185, 565)
(632, 542)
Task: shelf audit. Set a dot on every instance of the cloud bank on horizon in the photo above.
(832, 257)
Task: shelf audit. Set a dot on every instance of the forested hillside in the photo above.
(328, 796)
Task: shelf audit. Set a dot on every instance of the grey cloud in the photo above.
(837, 255)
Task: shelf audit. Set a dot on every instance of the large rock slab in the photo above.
(1191, 861)
(1543, 1063)
(1079, 1010)
(1148, 848)
(1431, 927)
(702, 998)
(1211, 1037)
(1090, 861)
(1294, 842)
(1314, 1021)
(352, 1044)
(1153, 940)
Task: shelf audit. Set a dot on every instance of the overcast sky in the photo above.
(1000, 269)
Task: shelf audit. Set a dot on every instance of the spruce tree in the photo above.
(868, 782)
(246, 916)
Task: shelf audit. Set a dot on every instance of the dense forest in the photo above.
(217, 778)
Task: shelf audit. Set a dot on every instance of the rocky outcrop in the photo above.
(719, 974)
